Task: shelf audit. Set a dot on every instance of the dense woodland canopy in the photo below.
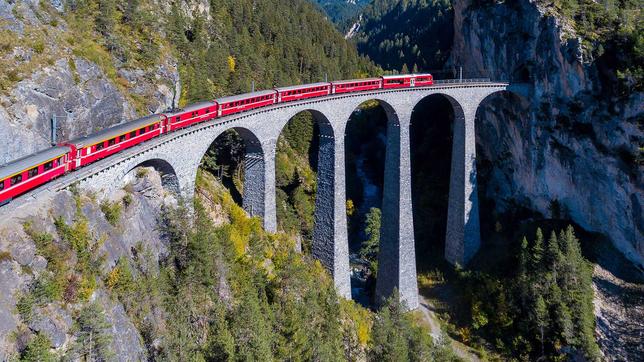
(408, 35)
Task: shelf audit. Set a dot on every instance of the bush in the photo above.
(39, 46)
(112, 211)
(38, 350)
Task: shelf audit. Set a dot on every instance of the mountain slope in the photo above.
(341, 12)
(100, 62)
(416, 34)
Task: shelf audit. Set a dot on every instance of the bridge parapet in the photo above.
(183, 150)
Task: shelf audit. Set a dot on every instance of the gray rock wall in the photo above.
(78, 91)
(21, 265)
(572, 141)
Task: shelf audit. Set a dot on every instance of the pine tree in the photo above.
(524, 285)
(92, 339)
(370, 247)
(38, 350)
(537, 253)
(388, 343)
(540, 315)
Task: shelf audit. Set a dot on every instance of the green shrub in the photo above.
(5, 255)
(39, 46)
(38, 350)
(112, 211)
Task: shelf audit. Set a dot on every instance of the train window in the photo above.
(122, 138)
(48, 166)
(207, 110)
(132, 134)
(1, 185)
(99, 146)
(33, 172)
(141, 131)
(111, 142)
(15, 179)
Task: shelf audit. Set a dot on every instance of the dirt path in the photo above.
(430, 318)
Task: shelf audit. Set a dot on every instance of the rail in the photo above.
(108, 162)
(466, 80)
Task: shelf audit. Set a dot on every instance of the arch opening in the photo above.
(169, 179)
(500, 147)
(236, 159)
(304, 156)
(365, 152)
(431, 143)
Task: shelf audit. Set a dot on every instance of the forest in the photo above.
(234, 292)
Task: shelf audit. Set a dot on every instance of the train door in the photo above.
(412, 82)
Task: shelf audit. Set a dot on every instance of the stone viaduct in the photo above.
(177, 156)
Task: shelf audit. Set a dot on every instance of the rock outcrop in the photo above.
(572, 141)
(21, 265)
(48, 79)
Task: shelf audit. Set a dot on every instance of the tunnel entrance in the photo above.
(432, 125)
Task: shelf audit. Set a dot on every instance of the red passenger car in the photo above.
(117, 138)
(297, 92)
(423, 80)
(194, 113)
(24, 174)
(245, 102)
(398, 81)
(356, 85)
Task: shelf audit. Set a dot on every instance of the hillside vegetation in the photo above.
(408, 35)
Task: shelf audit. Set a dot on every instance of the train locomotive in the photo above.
(29, 172)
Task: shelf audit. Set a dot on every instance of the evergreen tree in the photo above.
(370, 247)
(92, 340)
(38, 350)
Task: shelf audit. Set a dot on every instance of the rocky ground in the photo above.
(20, 265)
(619, 308)
(46, 73)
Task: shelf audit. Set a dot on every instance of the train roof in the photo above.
(240, 97)
(301, 86)
(30, 161)
(192, 107)
(116, 131)
(355, 80)
(396, 76)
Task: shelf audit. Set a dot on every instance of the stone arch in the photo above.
(373, 122)
(462, 229)
(329, 239)
(321, 154)
(254, 184)
(457, 108)
(169, 178)
(503, 139)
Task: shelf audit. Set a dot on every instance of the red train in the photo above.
(27, 173)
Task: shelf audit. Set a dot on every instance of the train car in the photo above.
(304, 91)
(245, 102)
(398, 81)
(356, 85)
(27, 173)
(194, 113)
(423, 80)
(115, 139)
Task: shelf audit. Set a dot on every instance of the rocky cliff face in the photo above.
(43, 76)
(22, 265)
(571, 140)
